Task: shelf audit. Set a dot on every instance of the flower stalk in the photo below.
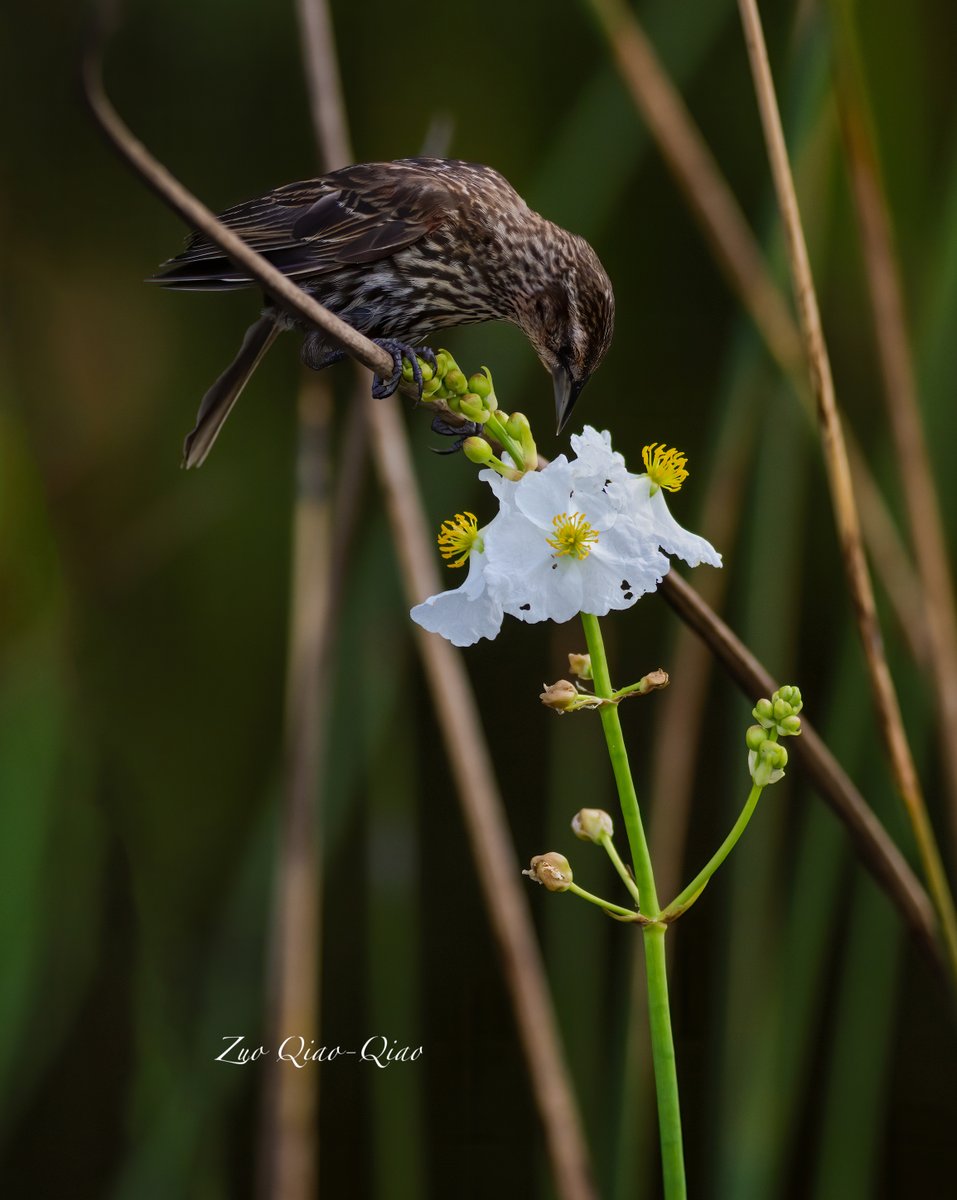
(659, 1013)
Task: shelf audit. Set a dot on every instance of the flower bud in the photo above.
(781, 709)
(790, 695)
(551, 870)
(767, 764)
(481, 383)
(562, 696)
(521, 431)
(471, 406)
(580, 665)
(456, 382)
(591, 823)
(776, 755)
(790, 726)
(477, 450)
(763, 713)
(755, 737)
(431, 388)
(443, 363)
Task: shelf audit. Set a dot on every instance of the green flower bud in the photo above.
(551, 870)
(443, 363)
(790, 726)
(517, 424)
(775, 754)
(471, 406)
(407, 373)
(481, 383)
(767, 763)
(519, 428)
(431, 389)
(590, 824)
(790, 695)
(477, 450)
(781, 709)
(755, 737)
(456, 382)
(763, 713)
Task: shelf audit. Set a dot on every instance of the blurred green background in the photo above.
(143, 625)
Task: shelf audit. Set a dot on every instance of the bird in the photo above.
(401, 250)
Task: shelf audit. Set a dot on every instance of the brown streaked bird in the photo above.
(401, 250)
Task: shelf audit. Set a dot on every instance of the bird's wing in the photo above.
(357, 215)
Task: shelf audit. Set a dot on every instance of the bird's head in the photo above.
(569, 316)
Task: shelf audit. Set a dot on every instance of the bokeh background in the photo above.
(143, 616)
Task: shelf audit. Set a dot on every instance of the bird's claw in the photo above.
(399, 351)
(459, 430)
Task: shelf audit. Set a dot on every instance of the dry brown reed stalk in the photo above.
(871, 841)
(289, 1133)
(288, 1164)
(889, 716)
(457, 712)
(903, 408)
(738, 253)
(496, 864)
(705, 189)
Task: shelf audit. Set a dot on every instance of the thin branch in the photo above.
(903, 409)
(282, 289)
(871, 840)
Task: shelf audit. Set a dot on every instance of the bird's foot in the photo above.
(399, 351)
(317, 354)
(459, 429)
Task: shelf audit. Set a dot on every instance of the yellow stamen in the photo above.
(573, 536)
(666, 468)
(458, 537)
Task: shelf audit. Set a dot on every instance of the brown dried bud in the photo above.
(561, 696)
(580, 665)
(590, 823)
(551, 870)
(654, 680)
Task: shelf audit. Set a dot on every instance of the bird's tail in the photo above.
(219, 400)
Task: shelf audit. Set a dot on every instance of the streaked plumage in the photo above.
(401, 250)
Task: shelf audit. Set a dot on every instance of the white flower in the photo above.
(645, 493)
(579, 536)
(557, 549)
(467, 613)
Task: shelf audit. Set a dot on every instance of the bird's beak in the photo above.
(566, 393)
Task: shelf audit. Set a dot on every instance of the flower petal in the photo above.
(465, 614)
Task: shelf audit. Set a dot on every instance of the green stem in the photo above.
(662, 1043)
(691, 892)
(497, 429)
(593, 899)
(663, 1052)
(615, 741)
(620, 867)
